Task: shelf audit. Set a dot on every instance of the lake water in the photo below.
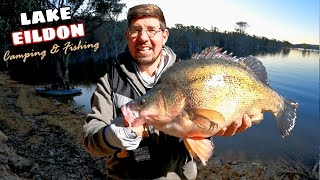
(294, 75)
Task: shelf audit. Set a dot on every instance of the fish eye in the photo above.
(142, 101)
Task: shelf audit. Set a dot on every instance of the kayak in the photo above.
(58, 92)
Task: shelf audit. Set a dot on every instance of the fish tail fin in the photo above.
(286, 117)
(199, 148)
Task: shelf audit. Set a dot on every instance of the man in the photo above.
(133, 73)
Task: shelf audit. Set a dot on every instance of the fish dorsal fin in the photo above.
(250, 63)
(256, 66)
(212, 52)
(199, 148)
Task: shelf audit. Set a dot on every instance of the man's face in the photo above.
(144, 49)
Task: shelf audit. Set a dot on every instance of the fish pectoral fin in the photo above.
(207, 119)
(209, 114)
(199, 148)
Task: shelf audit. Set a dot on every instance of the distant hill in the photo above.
(306, 46)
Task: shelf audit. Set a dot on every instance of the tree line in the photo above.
(102, 25)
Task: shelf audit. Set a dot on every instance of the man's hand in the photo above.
(237, 126)
(122, 137)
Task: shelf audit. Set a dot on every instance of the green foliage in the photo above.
(187, 40)
(241, 27)
(110, 9)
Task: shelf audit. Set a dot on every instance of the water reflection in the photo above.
(85, 98)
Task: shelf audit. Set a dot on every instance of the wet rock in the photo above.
(216, 161)
(9, 177)
(240, 168)
(234, 162)
(214, 176)
(5, 153)
(20, 164)
(3, 137)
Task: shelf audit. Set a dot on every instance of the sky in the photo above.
(296, 21)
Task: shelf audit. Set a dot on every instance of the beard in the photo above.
(146, 60)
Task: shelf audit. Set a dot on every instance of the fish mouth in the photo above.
(129, 115)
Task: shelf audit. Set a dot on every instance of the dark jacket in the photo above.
(158, 156)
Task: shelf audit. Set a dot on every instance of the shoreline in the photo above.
(40, 138)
